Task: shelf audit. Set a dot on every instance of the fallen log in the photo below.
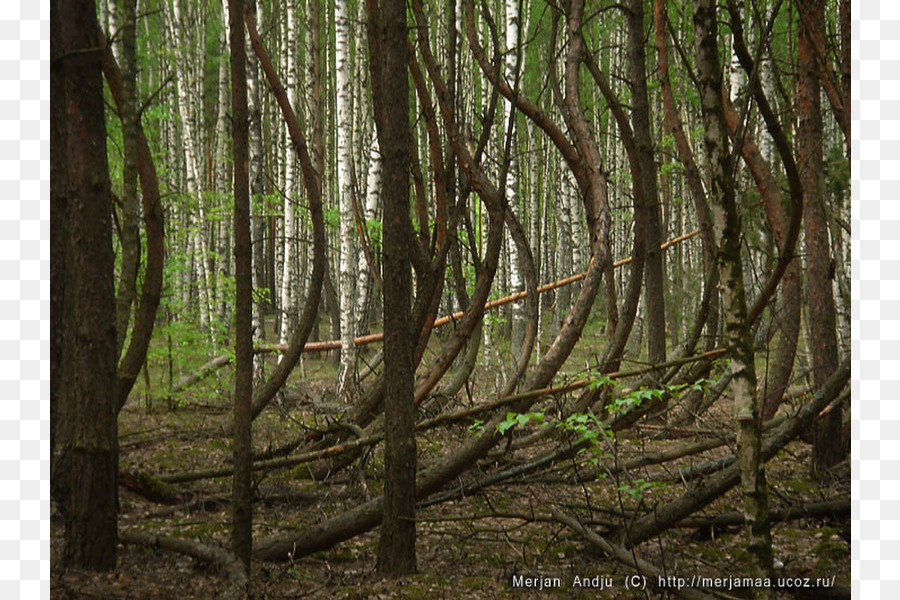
(713, 487)
(626, 557)
(311, 347)
(201, 373)
(239, 583)
(152, 488)
(378, 337)
(812, 510)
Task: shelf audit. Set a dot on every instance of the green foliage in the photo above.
(514, 419)
(637, 488)
(641, 395)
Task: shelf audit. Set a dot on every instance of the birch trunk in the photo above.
(223, 172)
(288, 271)
(373, 194)
(347, 259)
(257, 189)
(511, 73)
(727, 229)
(190, 143)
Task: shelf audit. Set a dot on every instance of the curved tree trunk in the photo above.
(738, 338)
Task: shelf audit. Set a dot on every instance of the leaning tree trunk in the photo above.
(130, 232)
(738, 338)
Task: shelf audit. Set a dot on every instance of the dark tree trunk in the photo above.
(148, 302)
(686, 157)
(654, 274)
(388, 48)
(827, 447)
(59, 239)
(242, 502)
(129, 227)
(89, 351)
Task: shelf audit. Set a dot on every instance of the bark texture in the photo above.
(827, 446)
(388, 49)
(89, 359)
(242, 497)
(738, 338)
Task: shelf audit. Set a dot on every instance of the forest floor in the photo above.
(474, 547)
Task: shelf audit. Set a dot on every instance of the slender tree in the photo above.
(347, 258)
(649, 211)
(242, 501)
(129, 233)
(388, 58)
(738, 339)
(827, 446)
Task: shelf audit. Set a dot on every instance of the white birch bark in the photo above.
(190, 141)
(288, 271)
(373, 194)
(510, 70)
(347, 261)
(767, 78)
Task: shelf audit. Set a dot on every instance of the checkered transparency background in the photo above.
(25, 299)
(876, 289)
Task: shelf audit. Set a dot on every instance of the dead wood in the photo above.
(812, 510)
(151, 488)
(625, 556)
(239, 583)
(711, 488)
(455, 317)
(202, 373)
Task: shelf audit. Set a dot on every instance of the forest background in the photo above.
(546, 143)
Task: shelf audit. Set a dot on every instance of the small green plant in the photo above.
(514, 419)
(477, 427)
(637, 489)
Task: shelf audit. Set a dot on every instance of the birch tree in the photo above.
(347, 259)
(738, 339)
(186, 86)
(289, 257)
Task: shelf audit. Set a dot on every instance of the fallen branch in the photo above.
(150, 487)
(311, 347)
(218, 557)
(831, 508)
(201, 373)
(626, 557)
(338, 449)
(713, 487)
(378, 337)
